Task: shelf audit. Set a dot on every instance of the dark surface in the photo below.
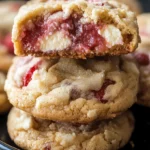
(141, 137)
(145, 4)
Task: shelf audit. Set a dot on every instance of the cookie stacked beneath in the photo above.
(73, 97)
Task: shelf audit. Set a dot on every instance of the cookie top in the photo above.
(82, 28)
(73, 90)
(144, 23)
(4, 103)
(31, 133)
(134, 5)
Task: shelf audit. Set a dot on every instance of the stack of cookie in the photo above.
(8, 11)
(76, 93)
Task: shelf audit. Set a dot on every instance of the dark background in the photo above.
(145, 4)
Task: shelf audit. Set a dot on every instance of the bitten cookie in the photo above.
(32, 133)
(76, 29)
(73, 90)
(144, 28)
(4, 103)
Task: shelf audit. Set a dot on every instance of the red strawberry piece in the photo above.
(100, 94)
(28, 76)
(142, 59)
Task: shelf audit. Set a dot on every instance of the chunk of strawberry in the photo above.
(142, 59)
(100, 94)
(28, 76)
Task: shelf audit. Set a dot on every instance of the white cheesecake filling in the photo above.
(56, 41)
(112, 35)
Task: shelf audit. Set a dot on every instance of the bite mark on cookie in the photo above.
(75, 33)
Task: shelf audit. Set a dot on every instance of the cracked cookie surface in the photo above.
(73, 90)
(32, 133)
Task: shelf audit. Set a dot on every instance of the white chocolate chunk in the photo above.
(112, 35)
(56, 41)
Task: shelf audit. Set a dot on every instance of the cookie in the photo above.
(32, 133)
(75, 29)
(144, 24)
(142, 58)
(4, 103)
(8, 11)
(73, 90)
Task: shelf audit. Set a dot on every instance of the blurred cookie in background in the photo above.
(8, 11)
(144, 28)
(142, 57)
(4, 104)
(134, 5)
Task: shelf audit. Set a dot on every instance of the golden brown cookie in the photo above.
(75, 29)
(35, 134)
(73, 90)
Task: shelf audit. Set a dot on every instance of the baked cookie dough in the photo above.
(4, 103)
(76, 29)
(73, 90)
(144, 28)
(134, 5)
(32, 133)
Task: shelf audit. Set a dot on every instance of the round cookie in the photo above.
(4, 103)
(31, 133)
(142, 58)
(82, 28)
(73, 90)
(144, 30)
